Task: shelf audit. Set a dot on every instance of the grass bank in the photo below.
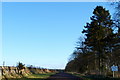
(42, 76)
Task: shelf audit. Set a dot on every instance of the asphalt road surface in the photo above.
(63, 76)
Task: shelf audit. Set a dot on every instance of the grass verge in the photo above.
(42, 76)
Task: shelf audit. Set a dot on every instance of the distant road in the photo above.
(63, 76)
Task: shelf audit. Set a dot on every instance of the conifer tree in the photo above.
(97, 31)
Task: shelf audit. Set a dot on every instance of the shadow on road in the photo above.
(63, 76)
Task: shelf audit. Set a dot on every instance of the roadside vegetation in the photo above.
(22, 72)
(42, 76)
(100, 48)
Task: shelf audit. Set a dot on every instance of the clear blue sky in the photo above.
(43, 34)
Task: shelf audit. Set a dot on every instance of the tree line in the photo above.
(100, 48)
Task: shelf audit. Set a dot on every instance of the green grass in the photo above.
(42, 76)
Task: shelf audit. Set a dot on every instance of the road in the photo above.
(63, 76)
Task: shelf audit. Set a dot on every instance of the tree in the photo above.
(20, 67)
(116, 49)
(100, 47)
(97, 32)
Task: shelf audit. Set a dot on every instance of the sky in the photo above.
(0, 32)
(43, 33)
(60, 0)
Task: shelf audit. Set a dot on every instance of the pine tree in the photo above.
(97, 33)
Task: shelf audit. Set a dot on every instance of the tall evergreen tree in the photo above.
(97, 31)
